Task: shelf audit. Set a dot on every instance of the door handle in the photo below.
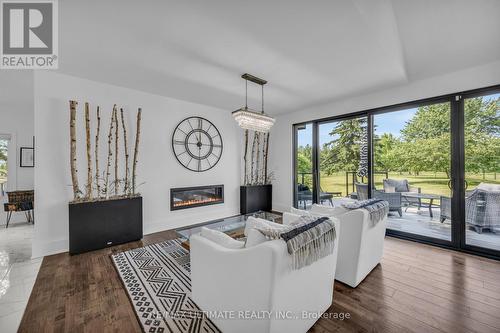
(449, 184)
(466, 184)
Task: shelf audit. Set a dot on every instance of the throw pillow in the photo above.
(290, 218)
(399, 185)
(300, 212)
(389, 189)
(221, 238)
(327, 211)
(255, 237)
(255, 222)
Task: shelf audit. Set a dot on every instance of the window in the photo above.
(436, 161)
(4, 152)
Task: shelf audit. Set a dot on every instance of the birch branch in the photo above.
(110, 153)
(245, 181)
(252, 165)
(257, 159)
(136, 150)
(72, 135)
(88, 187)
(98, 187)
(126, 185)
(266, 157)
(116, 182)
(263, 153)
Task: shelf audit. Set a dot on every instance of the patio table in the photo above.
(420, 196)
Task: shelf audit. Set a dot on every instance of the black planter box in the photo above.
(256, 197)
(96, 225)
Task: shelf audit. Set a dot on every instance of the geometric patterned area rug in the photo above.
(158, 282)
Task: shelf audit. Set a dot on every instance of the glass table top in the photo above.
(226, 225)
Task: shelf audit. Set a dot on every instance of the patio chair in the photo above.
(19, 201)
(304, 194)
(482, 208)
(402, 185)
(445, 206)
(394, 198)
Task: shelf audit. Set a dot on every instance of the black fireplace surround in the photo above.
(197, 196)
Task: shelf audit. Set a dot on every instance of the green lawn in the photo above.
(429, 182)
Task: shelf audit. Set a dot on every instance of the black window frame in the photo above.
(458, 241)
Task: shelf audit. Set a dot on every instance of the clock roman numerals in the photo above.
(197, 144)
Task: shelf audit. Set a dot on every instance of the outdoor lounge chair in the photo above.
(402, 185)
(394, 198)
(304, 194)
(482, 208)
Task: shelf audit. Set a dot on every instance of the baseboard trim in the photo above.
(42, 249)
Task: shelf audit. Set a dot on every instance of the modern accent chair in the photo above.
(361, 244)
(260, 279)
(482, 208)
(402, 186)
(394, 199)
(20, 201)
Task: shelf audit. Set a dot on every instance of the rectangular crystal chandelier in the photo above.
(253, 120)
(249, 119)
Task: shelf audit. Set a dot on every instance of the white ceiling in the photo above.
(311, 52)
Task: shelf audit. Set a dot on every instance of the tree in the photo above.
(4, 148)
(304, 165)
(429, 121)
(384, 157)
(343, 152)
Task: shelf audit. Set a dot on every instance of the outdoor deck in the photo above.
(419, 222)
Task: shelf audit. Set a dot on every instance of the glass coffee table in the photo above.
(233, 226)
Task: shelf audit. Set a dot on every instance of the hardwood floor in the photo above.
(417, 288)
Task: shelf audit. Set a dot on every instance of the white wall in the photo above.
(281, 134)
(158, 168)
(16, 120)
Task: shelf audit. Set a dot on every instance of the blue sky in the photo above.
(391, 122)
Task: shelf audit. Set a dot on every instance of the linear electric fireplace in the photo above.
(189, 197)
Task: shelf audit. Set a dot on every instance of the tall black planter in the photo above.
(256, 197)
(96, 225)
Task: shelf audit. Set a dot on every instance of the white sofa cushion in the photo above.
(255, 237)
(255, 222)
(221, 238)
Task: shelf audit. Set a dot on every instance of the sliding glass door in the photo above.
(482, 171)
(412, 169)
(304, 182)
(436, 161)
(343, 159)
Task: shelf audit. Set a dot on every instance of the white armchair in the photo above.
(361, 244)
(260, 279)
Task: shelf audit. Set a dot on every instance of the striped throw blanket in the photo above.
(377, 208)
(308, 240)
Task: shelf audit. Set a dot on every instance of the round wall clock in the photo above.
(197, 144)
